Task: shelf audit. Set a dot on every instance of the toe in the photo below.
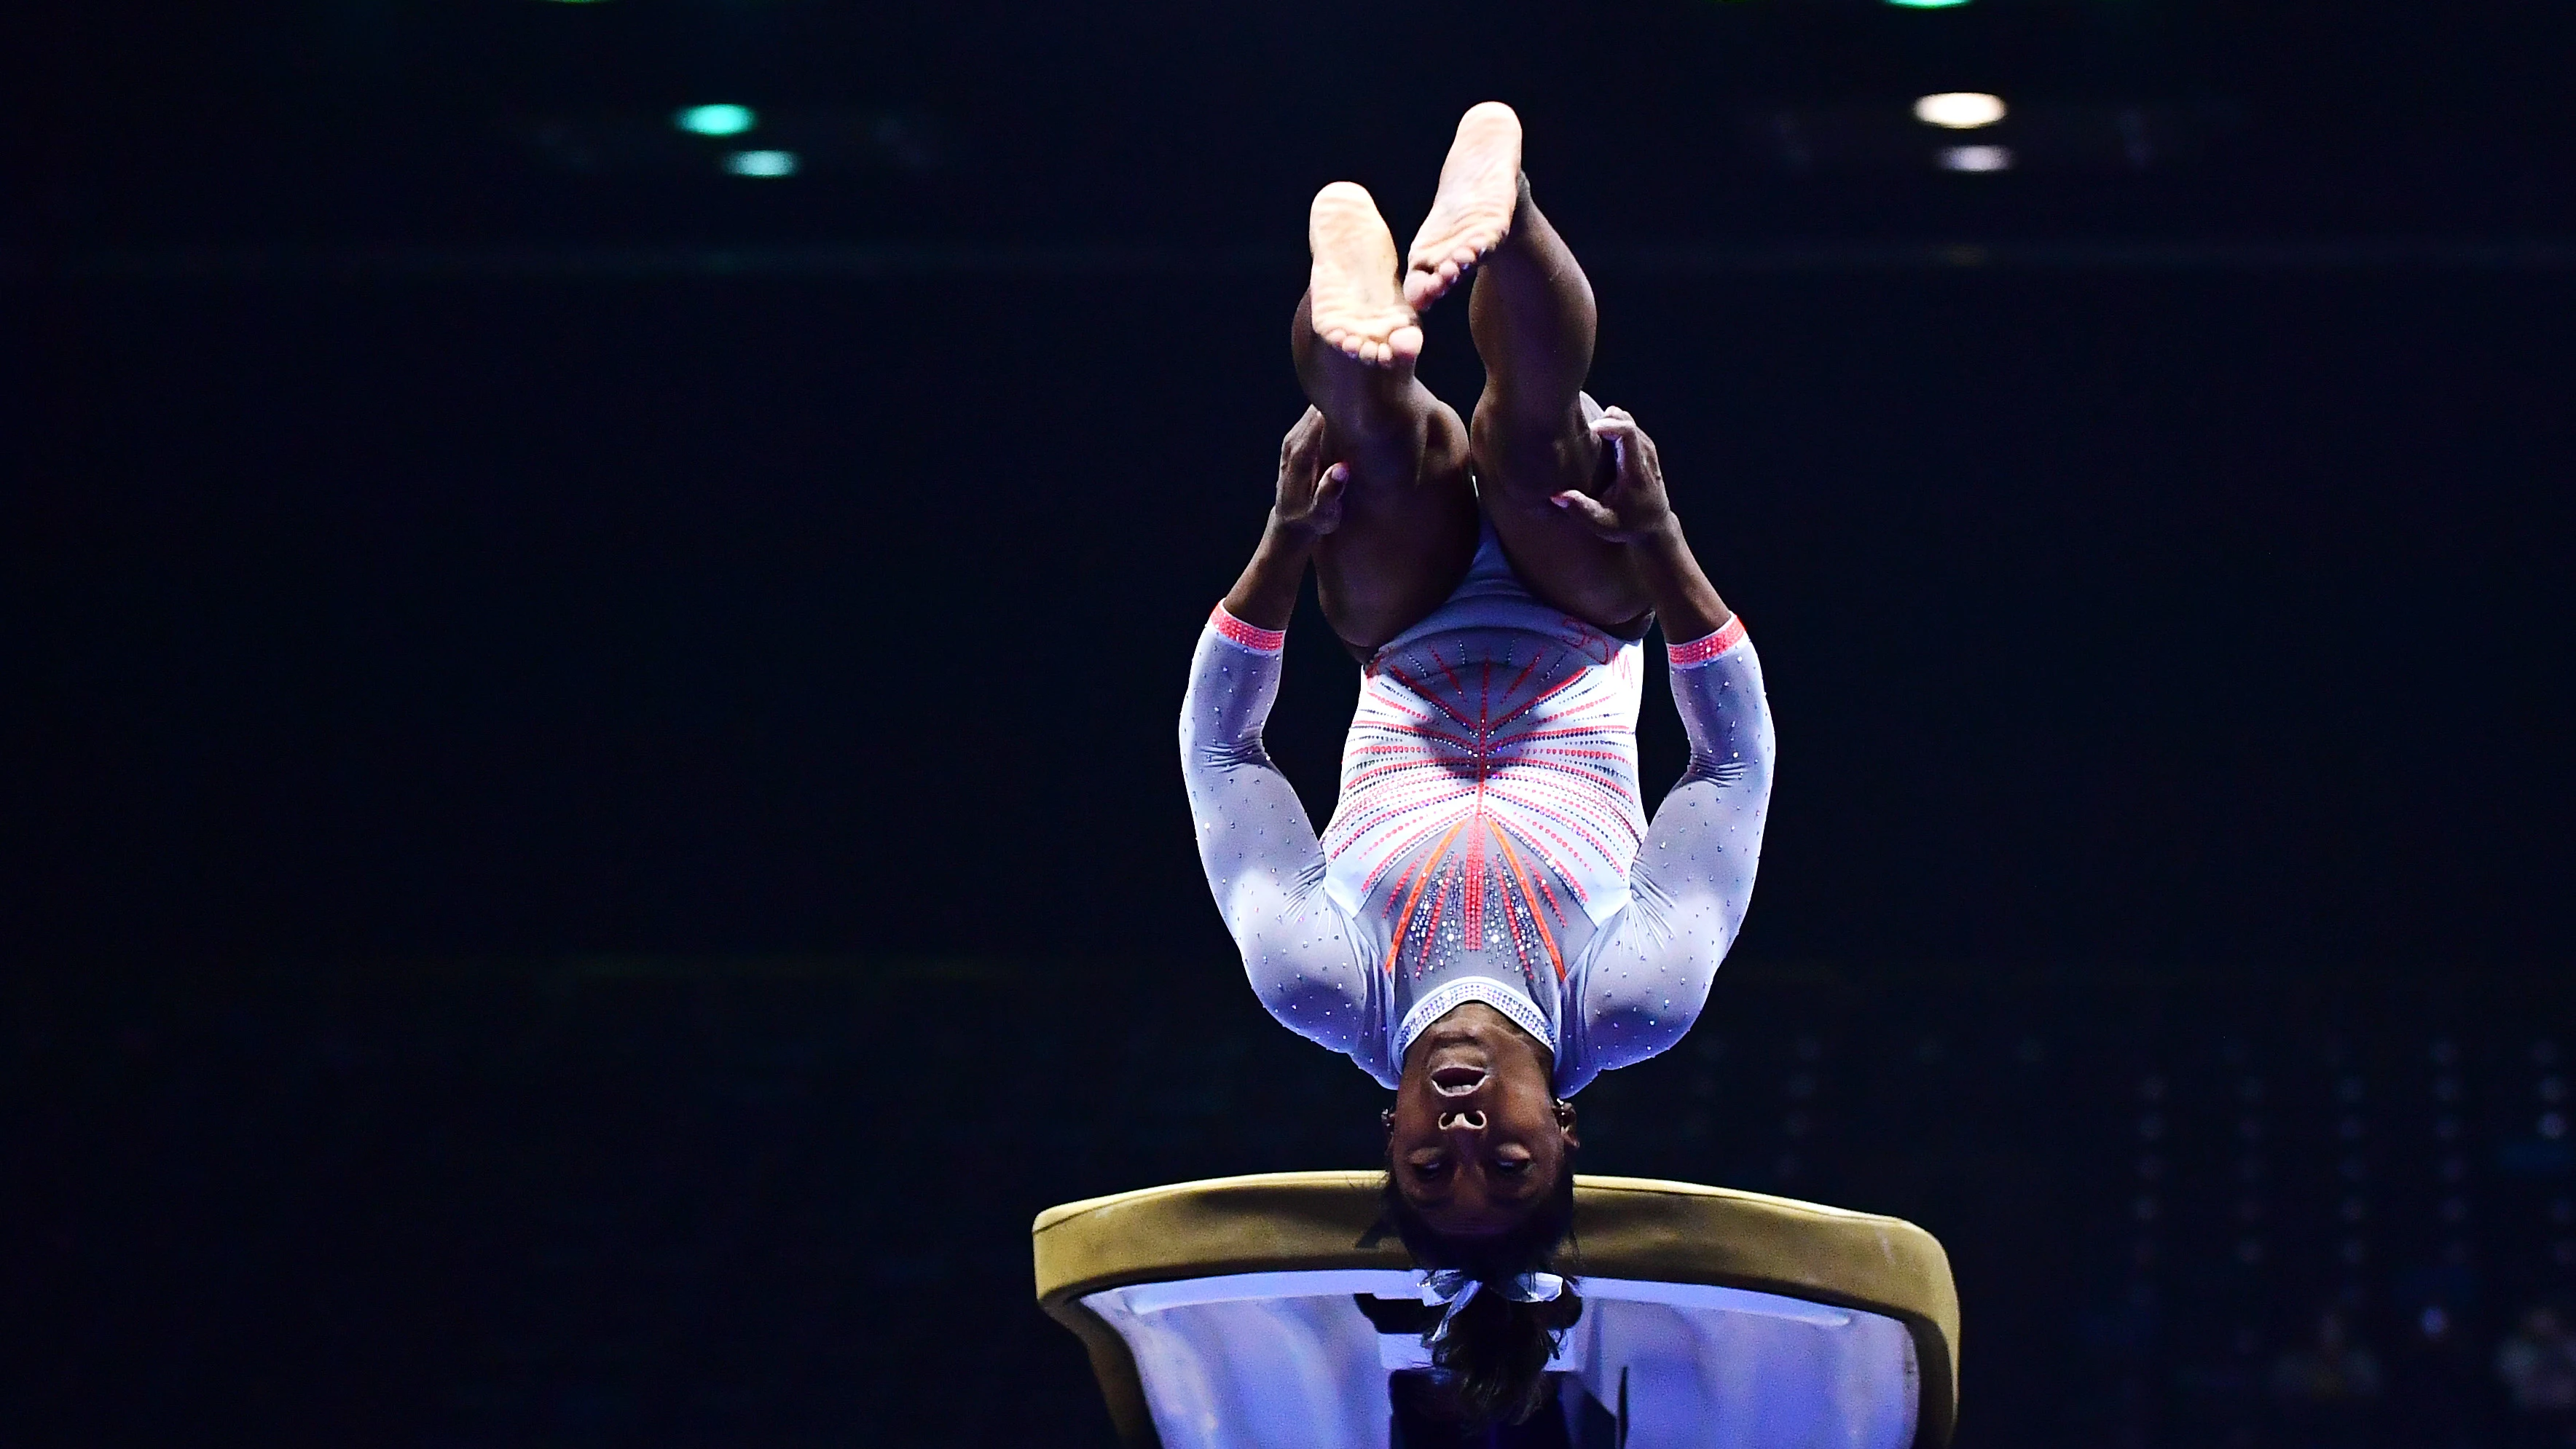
(1406, 342)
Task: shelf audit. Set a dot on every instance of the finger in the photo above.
(1299, 459)
(1620, 432)
(1582, 506)
(1628, 423)
(1302, 436)
(1324, 509)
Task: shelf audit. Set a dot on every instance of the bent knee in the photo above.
(1528, 459)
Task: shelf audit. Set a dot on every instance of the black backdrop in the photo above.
(590, 813)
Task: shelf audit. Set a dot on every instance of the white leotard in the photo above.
(1489, 844)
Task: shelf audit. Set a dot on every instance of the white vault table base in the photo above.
(1228, 1315)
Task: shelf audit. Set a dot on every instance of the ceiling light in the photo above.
(1976, 158)
(1927, 4)
(770, 163)
(1959, 110)
(716, 120)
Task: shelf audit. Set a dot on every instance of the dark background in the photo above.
(590, 810)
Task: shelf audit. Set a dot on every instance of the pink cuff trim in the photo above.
(1700, 651)
(1259, 641)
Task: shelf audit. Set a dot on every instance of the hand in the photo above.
(1635, 506)
(1310, 494)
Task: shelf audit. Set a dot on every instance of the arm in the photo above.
(1647, 974)
(1258, 849)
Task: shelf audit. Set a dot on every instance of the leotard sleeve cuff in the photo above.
(1258, 640)
(1696, 652)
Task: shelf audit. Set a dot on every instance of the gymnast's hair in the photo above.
(1495, 1354)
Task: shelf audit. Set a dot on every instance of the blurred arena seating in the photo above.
(648, 1203)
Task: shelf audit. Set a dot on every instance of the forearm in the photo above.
(1686, 604)
(1646, 976)
(1244, 807)
(1265, 596)
(1263, 865)
(1699, 855)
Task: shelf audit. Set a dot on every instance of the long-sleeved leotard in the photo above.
(1489, 844)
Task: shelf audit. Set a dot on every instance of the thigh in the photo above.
(1519, 469)
(1402, 547)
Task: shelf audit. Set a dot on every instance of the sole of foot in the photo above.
(1351, 293)
(1480, 188)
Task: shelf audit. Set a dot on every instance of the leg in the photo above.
(1531, 311)
(1409, 520)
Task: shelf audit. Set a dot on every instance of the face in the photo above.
(1477, 1140)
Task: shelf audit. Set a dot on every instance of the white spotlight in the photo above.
(1976, 158)
(1959, 110)
(761, 163)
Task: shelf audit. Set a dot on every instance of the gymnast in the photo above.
(1488, 922)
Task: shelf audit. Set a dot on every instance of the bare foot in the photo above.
(1480, 187)
(1351, 292)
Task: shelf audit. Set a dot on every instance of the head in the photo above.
(1477, 1142)
(1480, 1177)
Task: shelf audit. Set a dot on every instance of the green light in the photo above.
(761, 163)
(716, 120)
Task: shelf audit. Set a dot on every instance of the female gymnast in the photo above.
(1488, 922)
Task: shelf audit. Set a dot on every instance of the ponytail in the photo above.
(1492, 1350)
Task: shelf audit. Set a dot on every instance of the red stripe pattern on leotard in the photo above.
(1489, 794)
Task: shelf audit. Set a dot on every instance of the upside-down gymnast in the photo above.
(1488, 922)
